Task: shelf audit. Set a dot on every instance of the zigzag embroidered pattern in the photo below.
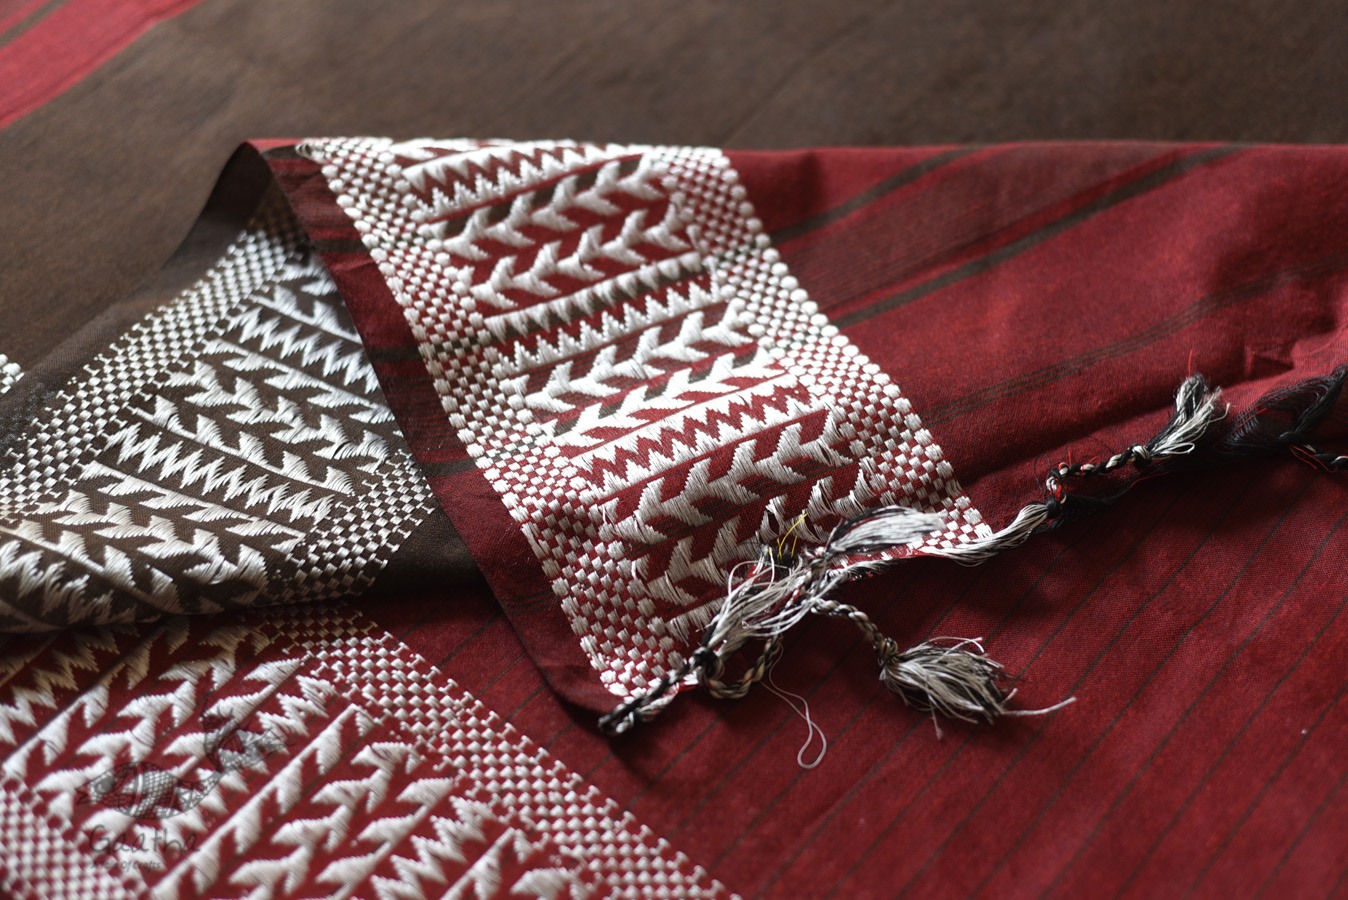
(233, 449)
(634, 370)
(406, 787)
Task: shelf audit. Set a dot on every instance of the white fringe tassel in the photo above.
(770, 595)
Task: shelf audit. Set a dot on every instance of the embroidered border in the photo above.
(260, 752)
(233, 448)
(634, 370)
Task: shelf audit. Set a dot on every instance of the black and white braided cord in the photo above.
(953, 677)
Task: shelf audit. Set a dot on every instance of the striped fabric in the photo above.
(48, 46)
(1038, 303)
(423, 721)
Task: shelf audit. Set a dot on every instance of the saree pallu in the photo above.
(323, 552)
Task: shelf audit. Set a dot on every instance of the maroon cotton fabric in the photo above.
(1042, 302)
(1198, 622)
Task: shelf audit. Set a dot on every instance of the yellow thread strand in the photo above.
(781, 541)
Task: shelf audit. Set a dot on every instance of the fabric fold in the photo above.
(627, 373)
(617, 377)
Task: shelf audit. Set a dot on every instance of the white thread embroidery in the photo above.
(406, 786)
(635, 371)
(233, 448)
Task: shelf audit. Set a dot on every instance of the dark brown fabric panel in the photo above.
(100, 185)
(433, 554)
(231, 205)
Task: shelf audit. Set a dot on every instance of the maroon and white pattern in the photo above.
(298, 753)
(634, 370)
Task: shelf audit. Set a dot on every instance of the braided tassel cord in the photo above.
(950, 677)
(779, 592)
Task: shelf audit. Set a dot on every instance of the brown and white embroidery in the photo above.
(233, 449)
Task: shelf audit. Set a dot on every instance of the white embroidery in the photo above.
(233, 448)
(401, 785)
(634, 369)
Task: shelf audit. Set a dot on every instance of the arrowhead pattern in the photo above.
(228, 756)
(234, 448)
(634, 369)
(217, 476)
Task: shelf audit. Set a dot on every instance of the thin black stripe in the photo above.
(772, 804)
(1081, 760)
(876, 768)
(1338, 885)
(588, 776)
(1153, 180)
(866, 854)
(1212, 767)
(565, 729)
(781, 723)
(1301, 835)
(458, 648)
(875, 695)
(500, 673)
(1282, 767)
(528, 603)
(785, 865)
(674, 760)
(1166, 327)
(1250, 721)
(29, 21)
(1183, 717)
(538, 689)
(864, 199)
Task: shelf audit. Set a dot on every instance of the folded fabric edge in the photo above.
(213, 440)
(453, 476)
(523, 590)
(780, 589)
(231, 203)
(441, 457)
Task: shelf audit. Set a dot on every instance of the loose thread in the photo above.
(768, 596)
(803, 711)
(1294, 420)
(778, 591)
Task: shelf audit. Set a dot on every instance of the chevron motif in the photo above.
(635, 370)
(278, 781)
(448, 178)
(50, 455)
(214, 483)
(61, 868)
(670, 327)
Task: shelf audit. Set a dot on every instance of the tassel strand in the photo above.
(953, 677)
